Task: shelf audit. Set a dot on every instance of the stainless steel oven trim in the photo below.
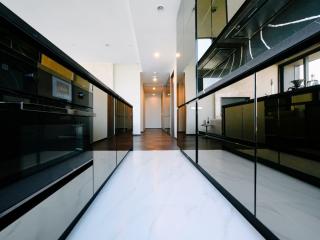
(32, 107)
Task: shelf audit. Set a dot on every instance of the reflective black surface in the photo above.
(187, 129)
(186, 48)
(226, 133)
(123, 128)
(46, 122)
(211, 18)
(257, 112)
(261, 144)
(262, 26)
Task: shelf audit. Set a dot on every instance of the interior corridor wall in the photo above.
(153, 110)
(100, 108)
(126, 79)
(142, 124)
(175, 107)
(102, 71)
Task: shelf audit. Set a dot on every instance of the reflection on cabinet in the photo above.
(288, 131)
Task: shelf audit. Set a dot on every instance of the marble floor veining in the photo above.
(160, 195)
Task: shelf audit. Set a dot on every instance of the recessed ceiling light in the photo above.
(154, 79)
(154, 72)
(153, 94)
(156, 55)
(178, 55)
(160, 7)
(107, 45)
(153, 88)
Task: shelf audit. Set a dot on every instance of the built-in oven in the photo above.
(45, 121)
(36, 136)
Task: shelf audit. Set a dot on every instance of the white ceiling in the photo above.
(162, 78)
(133, 29)
(158, 34)
(82, 28)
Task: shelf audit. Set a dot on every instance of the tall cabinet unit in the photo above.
(60, 143)
(251, 128)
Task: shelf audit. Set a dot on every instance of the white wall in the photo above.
(175, 108)
(142, 124)
(165, 113)
(100, 108)
(267, 81)
(206, 109)
(126, 79)
(245, 87)
(153, 111)
(190, 81)
(102, 71)
(191, 118)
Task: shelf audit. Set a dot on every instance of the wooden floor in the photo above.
(154, 139)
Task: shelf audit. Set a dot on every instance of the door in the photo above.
(153, 110)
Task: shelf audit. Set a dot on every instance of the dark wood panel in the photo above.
(154, 139)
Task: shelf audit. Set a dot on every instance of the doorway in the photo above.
(153, 110)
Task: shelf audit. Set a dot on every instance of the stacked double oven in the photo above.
(45, 111)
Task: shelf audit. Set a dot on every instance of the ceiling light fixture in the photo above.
(156, 55)
(153, 88)
(178, 55)
(160, 7)
(154, 79)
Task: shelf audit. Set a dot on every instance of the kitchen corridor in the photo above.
(160, 195)
(154, 139)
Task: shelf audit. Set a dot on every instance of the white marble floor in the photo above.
(160, 195)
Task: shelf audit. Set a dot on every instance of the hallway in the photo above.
(160, 195)
(154, 139)
(139, 119)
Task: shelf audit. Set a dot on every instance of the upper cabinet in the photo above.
(257, 32)
(186, 47)
(211, 18)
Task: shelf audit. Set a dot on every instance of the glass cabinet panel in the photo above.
(187, 129)
(211, 18)
(186, 50)
(226, 138)
(288, 168)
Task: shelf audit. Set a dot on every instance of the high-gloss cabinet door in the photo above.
(122, 132)
(105, 148)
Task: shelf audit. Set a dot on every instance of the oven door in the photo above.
(36, 137)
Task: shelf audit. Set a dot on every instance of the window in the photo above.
(293, 75)
(304, 72)
(313, 62)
